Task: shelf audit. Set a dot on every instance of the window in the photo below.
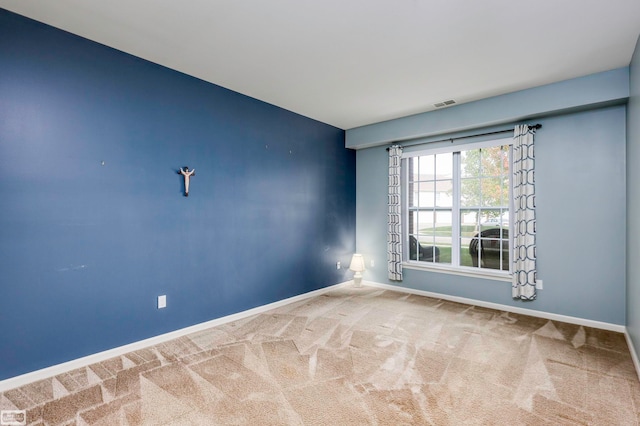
(458, 206)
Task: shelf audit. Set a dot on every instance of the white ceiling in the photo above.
(355, 62)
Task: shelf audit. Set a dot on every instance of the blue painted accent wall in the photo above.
(86, 248)
(581, 232)
(633, 202)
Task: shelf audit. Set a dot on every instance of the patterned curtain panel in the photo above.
(394, 236)
(524, 202)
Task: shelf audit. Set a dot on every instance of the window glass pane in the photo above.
(444, 193)
(426, 225)
(495, 252)
(443, 221)
(470, 192)
(505, 254)
(505, 159)
(411, 194)
(413, 222)
(490, 249)
(422, 194)
(414, 169)
(468, 255)
(426, 196)
(444, 166)
(426, 250)
(491, 189)
(413, 251)
(469, 226)
(443, 237)
(490, 218)
(504, 218)
(426, 239)
(491, 161)
(413, 247)
(441, 249)
(490, 253)
(469, 223)
(504, 183)
(470, 163)
(427, 167)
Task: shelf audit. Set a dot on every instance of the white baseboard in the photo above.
(55, 370)
(506, 308)
(634, 354)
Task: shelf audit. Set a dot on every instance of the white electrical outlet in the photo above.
(338, 265)
(373, 263)
(539, 284)
(162, 301)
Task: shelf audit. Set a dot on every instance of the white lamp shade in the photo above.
(357, 263)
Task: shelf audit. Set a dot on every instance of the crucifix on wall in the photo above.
(187, 176)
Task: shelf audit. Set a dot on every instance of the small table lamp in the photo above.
(357, 265)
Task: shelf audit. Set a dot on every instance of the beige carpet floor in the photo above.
(355, 357)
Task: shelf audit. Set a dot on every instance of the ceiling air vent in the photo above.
(445, 103)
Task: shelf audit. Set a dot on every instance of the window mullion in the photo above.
(455, 212)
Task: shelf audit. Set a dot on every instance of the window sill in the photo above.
(466, 272)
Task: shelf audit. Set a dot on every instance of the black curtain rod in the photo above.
(534, 127)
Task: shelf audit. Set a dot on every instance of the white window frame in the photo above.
(454, 268)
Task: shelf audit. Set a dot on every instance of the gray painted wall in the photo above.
(580, 178)
(552, 99)
(633, 202)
